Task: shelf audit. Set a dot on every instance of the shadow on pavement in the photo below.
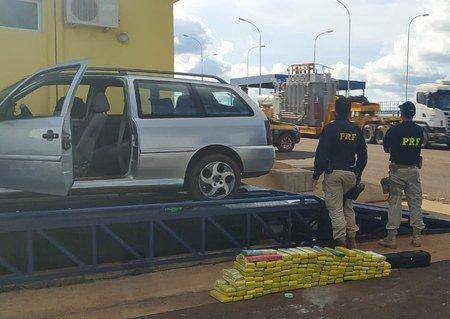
(295, 155)
(442, 147)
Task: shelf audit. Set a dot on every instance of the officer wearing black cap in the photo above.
(404, 144)
(339, 143)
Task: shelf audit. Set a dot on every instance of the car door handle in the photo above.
(50, 135)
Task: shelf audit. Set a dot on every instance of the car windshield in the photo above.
(442, 100)
(5, 91)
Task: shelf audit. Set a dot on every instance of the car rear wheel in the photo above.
(214, 177)
(286, 143)
(369, 133)
(380, 133)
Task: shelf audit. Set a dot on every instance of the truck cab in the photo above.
(432, 101)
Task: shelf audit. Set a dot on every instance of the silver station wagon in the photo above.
(70, 127)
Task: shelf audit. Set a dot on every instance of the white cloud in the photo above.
(378, 46)
(429, 56)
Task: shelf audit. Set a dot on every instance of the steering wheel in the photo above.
(25, 112)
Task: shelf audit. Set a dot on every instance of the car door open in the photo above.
(35, 131)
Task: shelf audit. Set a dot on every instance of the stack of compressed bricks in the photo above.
(261, 272)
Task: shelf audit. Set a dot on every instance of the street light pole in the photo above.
(407, 52)
(201, 48)
(315, 45)
(349, 45)
(260, 50)
(248, 56)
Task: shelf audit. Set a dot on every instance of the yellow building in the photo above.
(38, 33)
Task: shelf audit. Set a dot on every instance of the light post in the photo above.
(201, 48)
(260, 50)
(315, 46)
(407, 52)
(349, 45)
(248, 56)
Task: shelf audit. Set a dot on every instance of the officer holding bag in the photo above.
(404, 143)
(339, 143)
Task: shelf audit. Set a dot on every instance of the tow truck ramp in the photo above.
(46, 245)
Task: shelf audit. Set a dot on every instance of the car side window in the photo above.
(220, 101)
(159, 99)
(421, 98)
(43, 97)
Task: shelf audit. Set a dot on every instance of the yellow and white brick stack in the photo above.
(262, 272)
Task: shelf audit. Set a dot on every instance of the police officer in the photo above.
(340, 141)
(404, 143)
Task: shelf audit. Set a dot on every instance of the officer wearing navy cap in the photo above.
(404, 144)
(342, 156)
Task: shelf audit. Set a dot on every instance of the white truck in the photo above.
(432, 101)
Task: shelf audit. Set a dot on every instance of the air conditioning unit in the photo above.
(99, 13)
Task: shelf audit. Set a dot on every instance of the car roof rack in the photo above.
(126, 71)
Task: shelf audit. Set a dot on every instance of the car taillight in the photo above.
(268, 133)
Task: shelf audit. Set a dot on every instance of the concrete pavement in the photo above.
(406, 294)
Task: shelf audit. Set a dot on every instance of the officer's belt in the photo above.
(344, 168)
(404, 166)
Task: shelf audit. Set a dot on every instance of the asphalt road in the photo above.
(412, 293)
(435, 171)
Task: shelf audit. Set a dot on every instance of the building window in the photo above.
(21, 14)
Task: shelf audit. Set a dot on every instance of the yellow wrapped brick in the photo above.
(275, 290)
(248, 297)
(220, 297)
(261, 264)
(241, 259)
(238, 298)
(285, 256)
(268, 271)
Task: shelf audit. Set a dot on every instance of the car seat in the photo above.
(185, 106)
(95, 122)
(161, 107)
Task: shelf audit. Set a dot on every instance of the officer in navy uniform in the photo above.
(339, 143)
(404, 144)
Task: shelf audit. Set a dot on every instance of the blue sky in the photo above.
(289, 27)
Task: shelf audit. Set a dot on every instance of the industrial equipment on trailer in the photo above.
(306, 98)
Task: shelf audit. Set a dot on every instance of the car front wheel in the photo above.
(214, 177)
(286, 143)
